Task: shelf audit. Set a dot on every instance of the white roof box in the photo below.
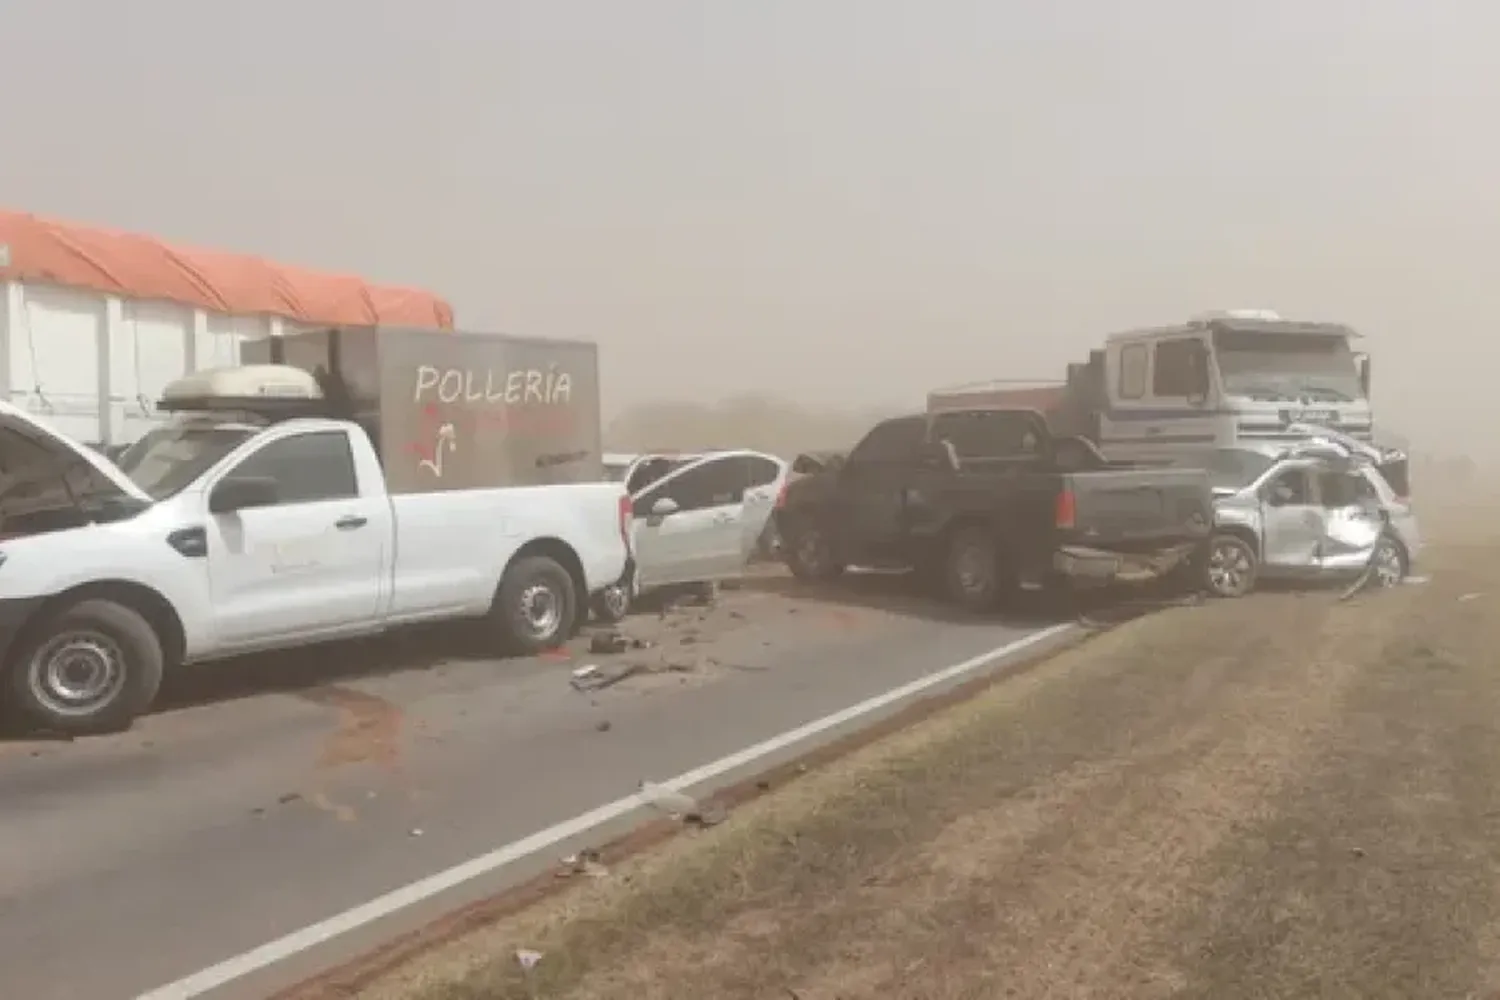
(1264, 315)
(240, 385)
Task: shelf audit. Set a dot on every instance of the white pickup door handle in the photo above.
(723, 518)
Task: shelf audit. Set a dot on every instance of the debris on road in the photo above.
(681, 807)
(1473, 596)
(596, 679)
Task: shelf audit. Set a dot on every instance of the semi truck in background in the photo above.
(351, 484)
(1175, 394)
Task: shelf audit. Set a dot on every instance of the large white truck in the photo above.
(259, 517)
(1176, 393)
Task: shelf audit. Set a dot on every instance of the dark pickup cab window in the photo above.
(897, 440)
(988, 434)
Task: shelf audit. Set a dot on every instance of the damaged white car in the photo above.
(696, 519)
(1322, 507)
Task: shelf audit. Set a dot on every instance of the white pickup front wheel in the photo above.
(91, 667)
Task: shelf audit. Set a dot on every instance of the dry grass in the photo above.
(1278, 797)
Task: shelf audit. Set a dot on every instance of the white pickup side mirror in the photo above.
(664, 506)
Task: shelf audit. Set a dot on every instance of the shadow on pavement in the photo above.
(904, 594)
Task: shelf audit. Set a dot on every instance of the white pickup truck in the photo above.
(223, 533)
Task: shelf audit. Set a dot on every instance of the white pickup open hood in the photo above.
(44, 440)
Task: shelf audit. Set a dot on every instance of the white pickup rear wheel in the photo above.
(536, 605)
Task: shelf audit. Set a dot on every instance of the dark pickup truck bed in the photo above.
(985, 500)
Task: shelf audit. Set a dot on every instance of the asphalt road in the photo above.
(273, 794)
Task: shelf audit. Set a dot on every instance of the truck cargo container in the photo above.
(458, 410)
(95, 323)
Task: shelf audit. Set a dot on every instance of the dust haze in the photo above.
(780, 218)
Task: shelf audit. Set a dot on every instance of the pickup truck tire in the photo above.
(1230, 566)
(90, 668)
(810, 553)
(972, 575)
(535, 607)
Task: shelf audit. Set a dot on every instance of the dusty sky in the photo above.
(849, 200)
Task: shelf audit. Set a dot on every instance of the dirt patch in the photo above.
(1283, 796)
(368, 731)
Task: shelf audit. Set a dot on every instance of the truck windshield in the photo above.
(1287, 366)
(168, 458)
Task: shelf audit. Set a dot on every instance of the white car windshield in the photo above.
(1287, 367)
(168, 458)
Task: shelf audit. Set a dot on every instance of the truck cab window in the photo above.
(1175, 373)
(306, 467)
(1134, 360)
(898, 440)
(714, 483)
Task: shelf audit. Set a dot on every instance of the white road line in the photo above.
(295, 943)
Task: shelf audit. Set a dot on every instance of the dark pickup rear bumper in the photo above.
(1085, 565)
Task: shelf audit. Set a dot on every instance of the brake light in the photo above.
(1066, 511)
(625, 507)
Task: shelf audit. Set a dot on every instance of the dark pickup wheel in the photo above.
(810, 553)
(92, 667)
(535, 606)
(971, 571)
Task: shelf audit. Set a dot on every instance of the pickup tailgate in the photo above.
(1127, 507)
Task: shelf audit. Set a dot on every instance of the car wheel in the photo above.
(1230, 567)
(1387, 562)
(810, 554)
(612, 604)
(536, 606)
(93, 667)
(971, 571)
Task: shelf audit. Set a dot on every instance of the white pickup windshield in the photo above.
(1287, 366)
(168, 458)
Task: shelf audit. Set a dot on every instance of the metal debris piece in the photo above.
(598, 680)
(1473, 596)
(608, 642)
(527, 959)
(585, 862)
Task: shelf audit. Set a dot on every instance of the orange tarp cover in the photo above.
(140, 267)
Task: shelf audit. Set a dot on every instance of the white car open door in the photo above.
(688, 525)
(765, 475)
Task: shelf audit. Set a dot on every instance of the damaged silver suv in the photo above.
(1320, 507)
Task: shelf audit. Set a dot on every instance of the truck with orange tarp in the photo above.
(94, 323)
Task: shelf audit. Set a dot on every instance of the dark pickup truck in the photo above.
(986, 500)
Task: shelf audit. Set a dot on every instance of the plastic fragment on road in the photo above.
(679, 806)
(1472, 596)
